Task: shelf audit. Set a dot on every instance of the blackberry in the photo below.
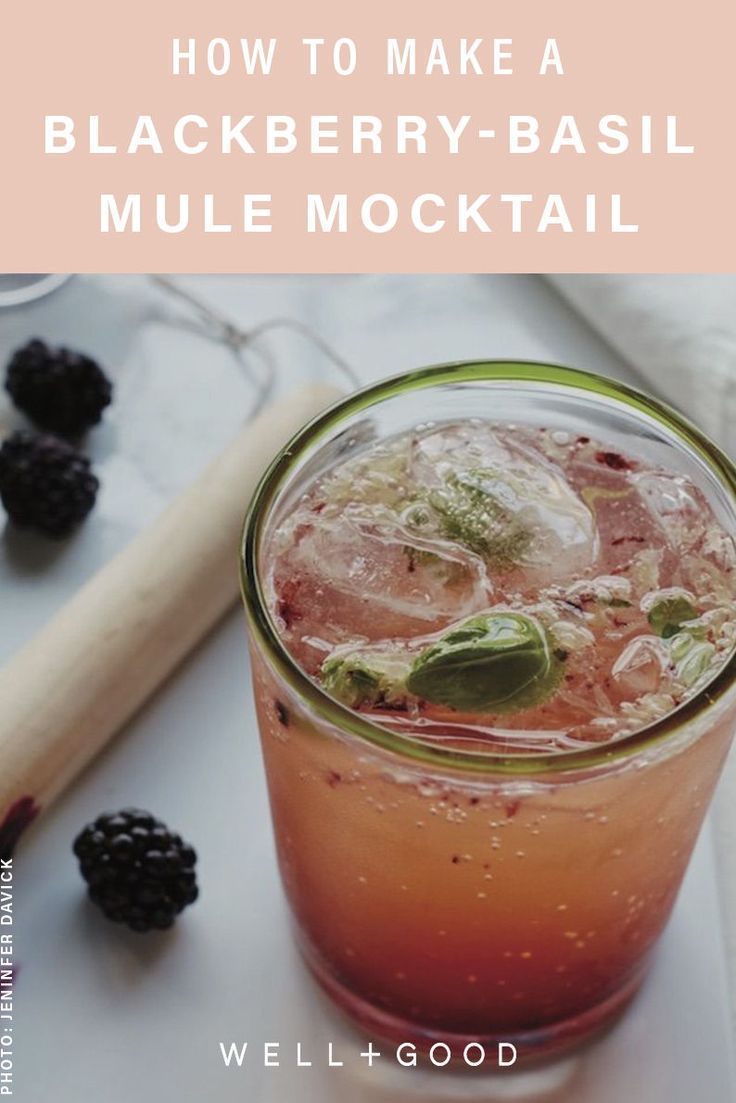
(45, 483)
(60, 390)
(139, 873)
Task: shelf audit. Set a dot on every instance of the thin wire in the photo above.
(261, 373)
(239, 340)
(310, 335)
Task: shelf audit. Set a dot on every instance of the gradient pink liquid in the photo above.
(434, 903)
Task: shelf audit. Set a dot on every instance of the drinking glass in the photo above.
(439, 894)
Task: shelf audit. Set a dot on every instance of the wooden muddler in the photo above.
(73, 686)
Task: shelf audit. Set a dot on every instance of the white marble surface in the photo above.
(104, 1015)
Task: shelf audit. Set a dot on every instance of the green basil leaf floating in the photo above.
(697, 661)
(495, 662)
(353, 683)
(365, 678)
(668, 614)
(692, 657)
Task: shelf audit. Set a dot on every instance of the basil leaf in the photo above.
(495, 662)
(365, 678)
(668, 614)
(692, 657)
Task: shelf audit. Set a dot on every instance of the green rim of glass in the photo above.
(353, 724)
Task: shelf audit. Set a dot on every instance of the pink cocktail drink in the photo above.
(492, 658)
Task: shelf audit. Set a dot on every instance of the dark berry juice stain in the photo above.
(288, 604)
(333, 778)
(282, 713)
(627, 540)
(512, 808)
(285, 611)
(18, 817)
(614, 460)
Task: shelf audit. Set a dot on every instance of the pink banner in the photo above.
(391, 137)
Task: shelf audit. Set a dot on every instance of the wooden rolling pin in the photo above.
(73, 686)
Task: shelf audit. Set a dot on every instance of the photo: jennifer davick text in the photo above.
(6, 976)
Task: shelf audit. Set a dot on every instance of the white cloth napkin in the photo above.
(679, 334)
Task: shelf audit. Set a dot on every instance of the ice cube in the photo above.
(640, 666)
(505, 500)
(563, 538)
(672, 502)
(719, 547)
(450, 448)
(353, 576)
